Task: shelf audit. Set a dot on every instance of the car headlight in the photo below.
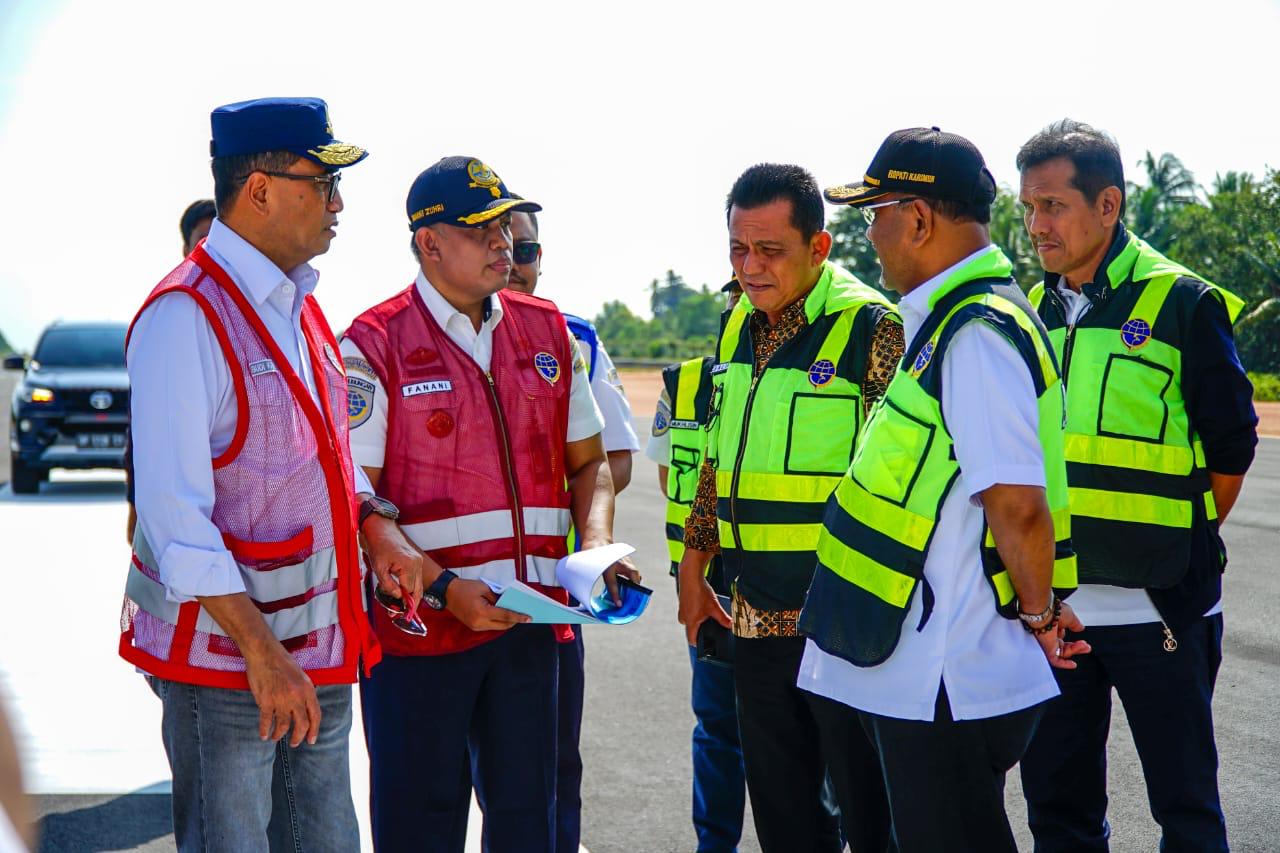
(37, 395)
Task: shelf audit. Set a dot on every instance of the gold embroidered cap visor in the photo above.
(921, 161)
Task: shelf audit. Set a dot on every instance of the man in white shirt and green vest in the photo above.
(932, 621)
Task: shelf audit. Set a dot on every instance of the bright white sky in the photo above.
(628, 122)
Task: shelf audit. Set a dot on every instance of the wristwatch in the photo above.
(374, 505)
(434, 597)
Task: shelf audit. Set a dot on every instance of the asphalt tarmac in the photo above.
(637, 722)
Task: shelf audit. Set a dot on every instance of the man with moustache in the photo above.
(949, 533)
(244, 601)
(800, 361)
(620, 442)
(471, 411)
(1160, 431)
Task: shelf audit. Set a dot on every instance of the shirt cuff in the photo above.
(1002, 475)
(188, 572)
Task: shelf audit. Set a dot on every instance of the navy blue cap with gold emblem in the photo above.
(461, 191)
(298, 125)
(922, 161)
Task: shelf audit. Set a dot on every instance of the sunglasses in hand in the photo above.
(403, 610)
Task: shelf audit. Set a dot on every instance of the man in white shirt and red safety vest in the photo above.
(244, 602)
(470, 410)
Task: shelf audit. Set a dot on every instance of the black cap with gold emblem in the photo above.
(461, 191)
(298, 125)
(922, 161)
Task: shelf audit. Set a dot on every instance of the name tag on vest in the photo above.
(719, 368)
(433, 387)
(676, 424)
(258, 368)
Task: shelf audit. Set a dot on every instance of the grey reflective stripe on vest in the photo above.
(319, 612)
(540, 570)
(482, 526)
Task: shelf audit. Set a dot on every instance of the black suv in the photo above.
(71, 409)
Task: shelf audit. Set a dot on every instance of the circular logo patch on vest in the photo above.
(359, 401)
(1134, 333)
(922, 358)
(440, 424)
(548, 367)
(821, 372)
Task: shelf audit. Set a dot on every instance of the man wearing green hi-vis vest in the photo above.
(798, 363)
(1160, 431)
(949, 534)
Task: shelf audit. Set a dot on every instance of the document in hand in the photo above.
(582, 574)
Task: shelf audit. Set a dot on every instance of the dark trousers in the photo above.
(434, 723)
(568, 756)
(719, 780)
(945, 779)
(856, 777)
(1167, 698)
(781, 750)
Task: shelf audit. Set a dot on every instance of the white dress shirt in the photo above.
(183, 412)
(989, 664)
(606, 387)
(1100, 604)
(369, 439)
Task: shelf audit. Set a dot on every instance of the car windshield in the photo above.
(101, 347)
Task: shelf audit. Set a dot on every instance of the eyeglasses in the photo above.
(403, 611)
(330, 179)
(525, 252)
(867, 209)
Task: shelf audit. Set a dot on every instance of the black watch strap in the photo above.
(436, 592)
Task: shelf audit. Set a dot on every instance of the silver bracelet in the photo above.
(1047, 613)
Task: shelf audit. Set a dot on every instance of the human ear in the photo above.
(820, 247)
(1109, 205)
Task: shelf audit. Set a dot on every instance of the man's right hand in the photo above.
(473, 603)
(285, 695)
(698, 600)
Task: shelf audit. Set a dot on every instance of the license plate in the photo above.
(100, 440)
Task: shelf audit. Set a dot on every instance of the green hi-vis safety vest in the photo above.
(781, 441)
(1139, 486)
(688, 387)
(880, 521)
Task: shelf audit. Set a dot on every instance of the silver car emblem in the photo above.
(101, 400)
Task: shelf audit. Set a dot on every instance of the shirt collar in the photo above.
(253, 271)
(914, 307)
(444, 313)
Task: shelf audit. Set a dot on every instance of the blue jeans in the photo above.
(719, 781)
(233, 791)
(435, 723)
(1167, 698)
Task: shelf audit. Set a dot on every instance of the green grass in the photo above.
(1266, 387)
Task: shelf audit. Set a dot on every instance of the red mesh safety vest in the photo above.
(474, 461)
(284, 502)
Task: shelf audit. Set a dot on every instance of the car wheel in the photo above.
(26, 479)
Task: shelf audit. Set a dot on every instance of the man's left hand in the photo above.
(623, 567)
(396, 562)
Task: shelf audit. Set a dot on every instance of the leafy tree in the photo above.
(666, 296)
(850, 247)
(1153, 208)
(1010, 233)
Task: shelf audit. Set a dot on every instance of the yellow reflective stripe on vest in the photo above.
(1127, 506)
(1004, 587)
(885, 583)
(1127, 453)
(687, 390)
(772, 537)
(1152, 299)
(732, 329)
(838, 338)
(788, 488)
(900, 524)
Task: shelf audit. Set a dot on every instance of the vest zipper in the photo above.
(1057, 303)
(517, 516)
(1170, 642)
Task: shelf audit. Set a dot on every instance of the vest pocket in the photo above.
(265, 556)
(901, 444)
(819, 433)
(1133, 404)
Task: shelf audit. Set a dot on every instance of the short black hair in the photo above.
(765, 183)
(197, 211)
(961, 211)
(1095, 155)
(229, 173)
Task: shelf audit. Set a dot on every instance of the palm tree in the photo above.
(1151, 208)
